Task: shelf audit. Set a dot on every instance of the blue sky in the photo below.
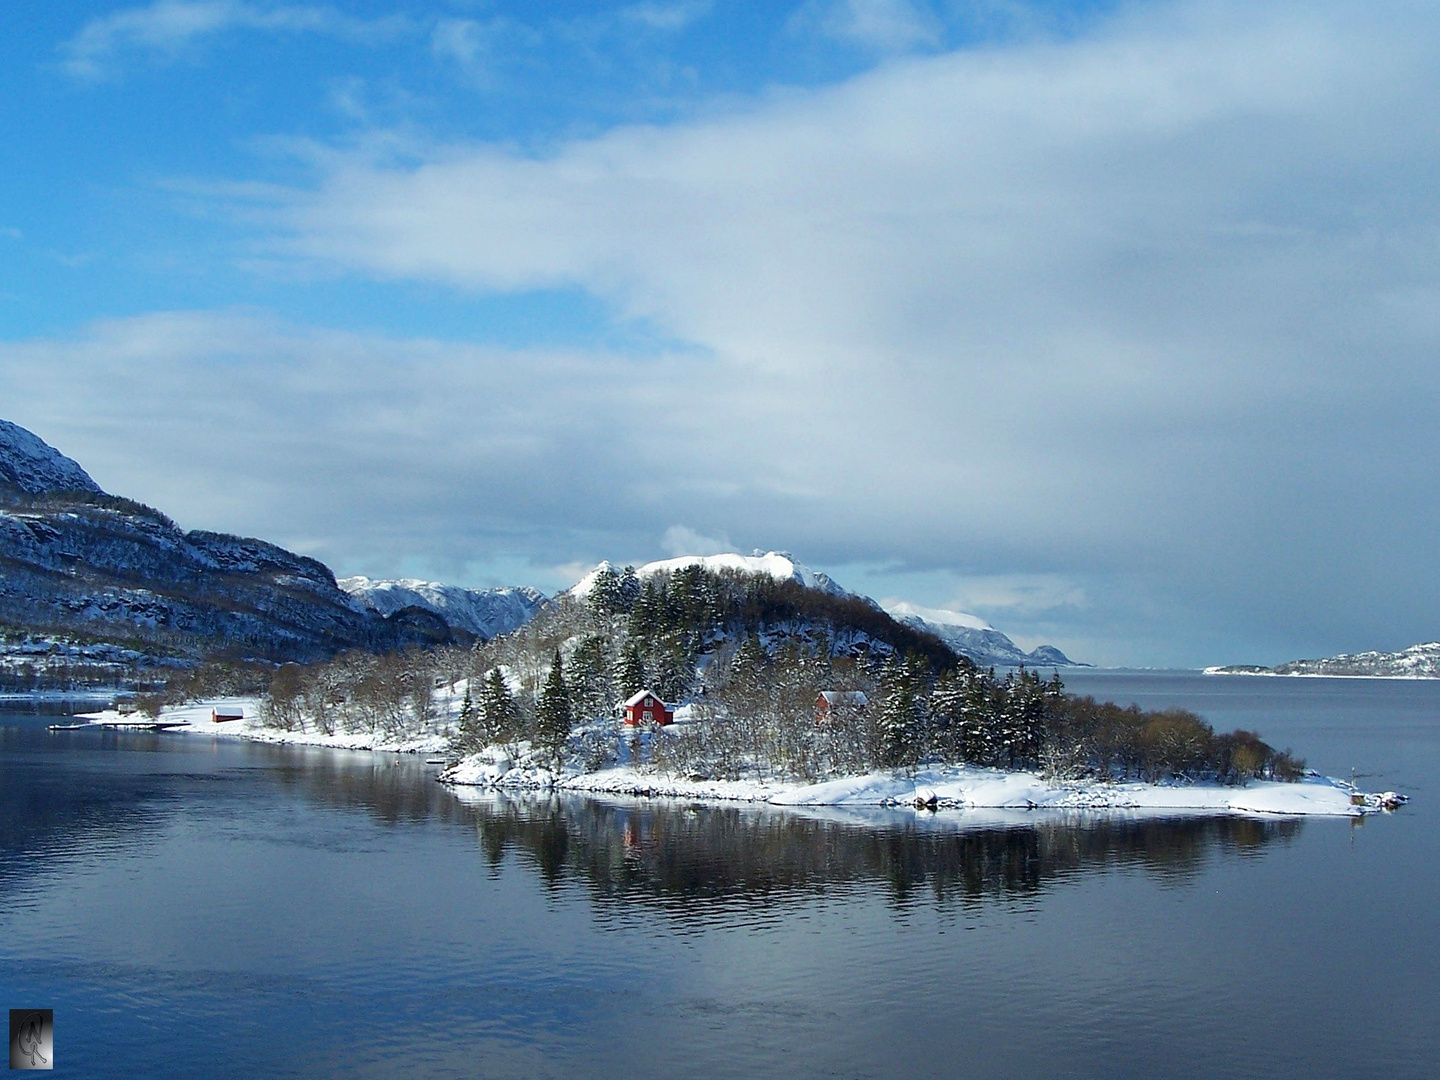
(1114, 323)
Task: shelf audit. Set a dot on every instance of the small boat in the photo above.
(435, 761)
(70, 727)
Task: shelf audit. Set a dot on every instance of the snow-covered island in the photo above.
(1417, 662)
(751, 678)
(940, 788)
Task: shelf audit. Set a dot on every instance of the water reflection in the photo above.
(669, 856)
(93, 791)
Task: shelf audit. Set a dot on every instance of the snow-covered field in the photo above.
(944, 788)
(196, 717)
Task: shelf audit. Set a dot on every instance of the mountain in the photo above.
(780, 565)
(967, 635)
(483, 613)
(80, 567)
(972, 636)
(30, 466)
(1416, 662)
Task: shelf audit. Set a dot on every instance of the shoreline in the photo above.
(1316, 675)
(936, 788)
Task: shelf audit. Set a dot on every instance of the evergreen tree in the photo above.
(899, 717)
(628, 590)
(604, 598)
(976, 735)
(588, 676)
(467, 732)
(498, 717)
(553, 715)
(947, 709)
(631, 675)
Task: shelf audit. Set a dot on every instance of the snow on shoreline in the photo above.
(961, 787)
(195, 718)
(944, 788)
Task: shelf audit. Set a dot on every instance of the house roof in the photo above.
(850, 697)
(642, 695)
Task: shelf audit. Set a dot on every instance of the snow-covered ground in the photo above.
(943, 788)
(959, 787)
(196, 717)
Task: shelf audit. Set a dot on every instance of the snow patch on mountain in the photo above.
(903, 609)
(486, 613)
(31, 464)
(780, 565)
(970, 635)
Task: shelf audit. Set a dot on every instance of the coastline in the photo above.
(940, 789)
(1315, 675)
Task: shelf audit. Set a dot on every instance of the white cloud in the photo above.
(168, 28)
(880, 25)
(682, 540)
(1153, 298)
(667, 16)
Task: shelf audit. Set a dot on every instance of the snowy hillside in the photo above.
(1416, 662)
(486, 613)
(972, 636)
(35, 467)
(780, 565)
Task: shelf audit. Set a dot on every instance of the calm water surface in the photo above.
(196, 907)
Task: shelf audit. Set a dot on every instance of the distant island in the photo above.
(1416, 662)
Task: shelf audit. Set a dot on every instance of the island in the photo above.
(722, 680)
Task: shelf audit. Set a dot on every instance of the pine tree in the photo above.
(498, 718)
(628, 590)
(604, 598)
(899, 717)
(467, 731)
(553, 716)
(947, 709)
(631, 675)
(976, 737)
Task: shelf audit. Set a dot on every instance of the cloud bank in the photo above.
(1149, 317)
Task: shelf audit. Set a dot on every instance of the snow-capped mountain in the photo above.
(1416, 662)
(780, 565)
(81, 565)
(35, 467)
(485, 613)
(970, 635)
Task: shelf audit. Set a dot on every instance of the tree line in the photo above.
(750, 655)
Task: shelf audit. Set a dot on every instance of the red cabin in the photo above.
(646, 708)
(830, 700)
(221, 713)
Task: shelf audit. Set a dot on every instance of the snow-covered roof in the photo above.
(837, 697)
(641, 696)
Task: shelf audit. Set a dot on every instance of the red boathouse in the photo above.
(646, 708)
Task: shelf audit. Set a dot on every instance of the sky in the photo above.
(1113, 323)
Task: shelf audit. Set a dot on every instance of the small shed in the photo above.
(830, 700)
(221, 713)
(646, 708)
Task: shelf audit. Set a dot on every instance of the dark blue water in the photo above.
(199, 908)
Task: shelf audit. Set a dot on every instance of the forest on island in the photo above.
(748, 656)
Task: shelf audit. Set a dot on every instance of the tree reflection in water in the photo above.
(671, 855)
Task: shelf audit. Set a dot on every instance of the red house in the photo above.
(646, 708)
(830, 700)
(220, 713)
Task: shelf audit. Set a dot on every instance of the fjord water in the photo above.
(200, 907)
